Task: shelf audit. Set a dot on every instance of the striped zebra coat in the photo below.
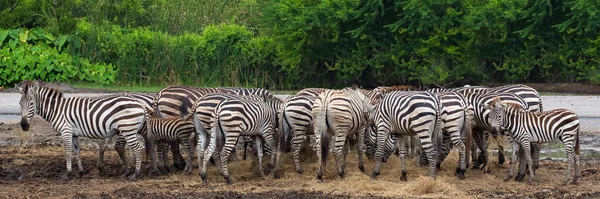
(164, 130)
(339, 113)
(295, 118)
(98, 117)
(240, 117)
(405, 114)
(534, 127)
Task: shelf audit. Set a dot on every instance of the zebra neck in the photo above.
(512, 120)
(48, 107)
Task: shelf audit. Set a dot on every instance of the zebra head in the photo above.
(497, 113)
(28, 90)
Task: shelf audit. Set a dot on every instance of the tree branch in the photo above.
(13, 7)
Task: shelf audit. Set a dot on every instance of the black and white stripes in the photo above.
(98, 117)
(532, 127)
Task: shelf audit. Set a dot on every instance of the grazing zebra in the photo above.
(481, 125)
(295, 118)
(456, 120)
(241, 117)
(341, 113)
(120, 143)
(405, 114)
(533, 127)
(162, 130)
(203, 114)
(98, 117)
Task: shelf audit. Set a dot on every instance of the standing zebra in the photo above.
(98, 117)
(120, 143)
(295, 118)
(406, 114)
(163, 130)
(241, 117)
(456, 117)
(532, 127)
(343, 113)
(203, 114)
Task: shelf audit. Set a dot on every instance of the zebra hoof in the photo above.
(362, 168)
(342, 174)
(229, 182)
(132, 178)
(403, 177)
(374, 175)
(203, 177)
(276, 174)
(319, 178)
(530, 182)
(128, 172)
(155, 172)
(187, 172)
(65, 177)
(520, 177)
(179, 167)
(507, 178)
(268, 169)
(299, 170)
(460, 173)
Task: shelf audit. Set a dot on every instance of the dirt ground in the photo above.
(32, 169)
(31, 165)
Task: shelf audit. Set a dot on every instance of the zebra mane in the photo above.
(514, 106)
(38, 86)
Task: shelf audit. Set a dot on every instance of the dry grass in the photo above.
(39, 163)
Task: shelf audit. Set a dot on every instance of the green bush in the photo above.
(36, 54)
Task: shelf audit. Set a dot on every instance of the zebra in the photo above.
(457, 115)
(533, 127)
(405, 114)
(341, 113)
(147, 101)
(240, 117)
(203, 114)
(98, 117)
(162, 130)
(295, 118)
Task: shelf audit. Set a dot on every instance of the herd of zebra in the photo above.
(379, 122)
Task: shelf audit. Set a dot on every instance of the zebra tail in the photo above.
(285, 132)
(468, 133)
(217, 130)
(321, 129)
(438, 136)
(577, 147)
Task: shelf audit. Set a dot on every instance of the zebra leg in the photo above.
(501, 159)
(382, 136)
(80, 172)
(152, 146)
(477, 143)
(431, 155)
(210, 151)
(134, 145)
(120, 148)
(228, 148)
(188, 145)
(462, 166)
(164, 147)
(259, 148)
(577, 172)
(296, 144)
(535, 153)
(202, 144)
(102, 145)
(360, 146)
(516, 148)
(402, 155)
(68, 144)
(178, 161)
(527, 149)
(522, 165)
(319, 142)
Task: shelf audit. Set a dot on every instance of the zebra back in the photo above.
(170, 100)
(530, 95)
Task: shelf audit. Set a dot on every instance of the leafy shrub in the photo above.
(36, 54)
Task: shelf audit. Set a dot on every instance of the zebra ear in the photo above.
(19, 89)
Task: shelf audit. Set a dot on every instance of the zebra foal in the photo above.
(162, 131)
(526, 128)
(74, 117)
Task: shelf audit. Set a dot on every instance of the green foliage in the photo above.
(223, 55)
(36, 54)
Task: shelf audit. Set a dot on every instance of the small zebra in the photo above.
(405, 114)
(341, 113)
(534, 127)
(241, 117)
(74, 117)
(163, 130)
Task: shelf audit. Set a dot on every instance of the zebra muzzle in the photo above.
(24, 124)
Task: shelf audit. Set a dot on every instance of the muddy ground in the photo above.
(32, 168)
